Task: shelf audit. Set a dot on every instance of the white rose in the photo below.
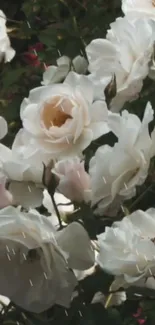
(55, 74)
(139, 8)
(6, 50)
(74, 181)
(24, 176)
(62, 119)
(116, 171)
(126, 53)
(127, 250)
(37, 260)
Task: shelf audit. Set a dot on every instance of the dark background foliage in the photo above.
(40, 32)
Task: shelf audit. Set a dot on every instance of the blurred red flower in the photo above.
(138, 315)
(31, 57)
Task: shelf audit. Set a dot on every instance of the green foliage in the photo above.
(65, 27)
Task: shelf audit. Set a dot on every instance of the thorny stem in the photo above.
(11, 20)
(57, 211)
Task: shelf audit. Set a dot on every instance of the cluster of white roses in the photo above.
(60, 119)
(127, 249)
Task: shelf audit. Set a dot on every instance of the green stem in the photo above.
(140, 197)
(57, 212)
(11, 20)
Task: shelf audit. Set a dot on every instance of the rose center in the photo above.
(153, 3)
(56, 112)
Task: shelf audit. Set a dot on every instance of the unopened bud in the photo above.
(111, 90)
(50, 180)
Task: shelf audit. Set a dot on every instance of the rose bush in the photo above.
(81, 150)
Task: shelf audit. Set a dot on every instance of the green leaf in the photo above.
(114, 317)
(48, 37)
(12, 76)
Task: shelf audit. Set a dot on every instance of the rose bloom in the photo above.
(74, 181)
(24, 175)
(139, 8)
(116, 171)
(127, 250)
(6, 50)
(62, 119)
(37, 261)
(126, 52)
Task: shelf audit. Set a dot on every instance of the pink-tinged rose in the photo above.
(74, 180)
(5, 197)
